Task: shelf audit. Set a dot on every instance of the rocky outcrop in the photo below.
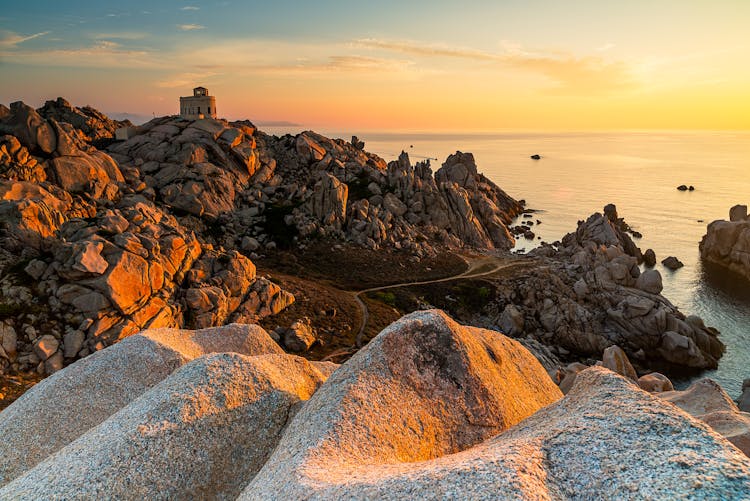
(397, 204)
(424, 388)
(592, 295)
(67, 160)
(92, 124)
(66, 405)
(727, 243)
(198, 167)
(105, 245)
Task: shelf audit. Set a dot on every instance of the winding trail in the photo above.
(481, 267)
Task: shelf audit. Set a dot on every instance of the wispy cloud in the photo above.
(121, 35)
(190, 27)
(571, 75)
(101, 54)
(348, 64)
(190, 7)
(186, 80)
(425, 50)
(11, 39)
(606, 47)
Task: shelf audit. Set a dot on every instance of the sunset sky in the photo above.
(420, 65)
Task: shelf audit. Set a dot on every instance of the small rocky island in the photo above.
(319, 322)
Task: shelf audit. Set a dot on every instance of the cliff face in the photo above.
(727, 243)
(160, 230)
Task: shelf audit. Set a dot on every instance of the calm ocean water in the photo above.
(639, 172)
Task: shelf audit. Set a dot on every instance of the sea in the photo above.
(638, 171)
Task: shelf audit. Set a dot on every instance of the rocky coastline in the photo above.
(136, 277)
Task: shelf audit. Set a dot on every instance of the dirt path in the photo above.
(478, 267)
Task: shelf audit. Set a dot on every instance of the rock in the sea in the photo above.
(672, 263)
(66, 405)
(738, 213)
(649, 258)
(535, 157)
(682, 187)
(707, 401)
(641, 446)
(203, 432)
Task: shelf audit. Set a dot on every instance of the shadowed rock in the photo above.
(67, 404)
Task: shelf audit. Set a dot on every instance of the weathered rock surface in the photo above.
(429, 409)
(203, 432)
(66, 405)
(727, 243)
(641, 445)
(423, 388)
(707, 401)
(66, 158)
(590, 295)
(397, 204)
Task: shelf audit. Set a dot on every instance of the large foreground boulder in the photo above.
(424, 388)
(203, 432)
(606, 439)
(69, 403)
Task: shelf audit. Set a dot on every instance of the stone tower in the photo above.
(199, 105)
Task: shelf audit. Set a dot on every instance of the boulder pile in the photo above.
(160, 230)
(429, 409)
(590, 294)
(727, 243)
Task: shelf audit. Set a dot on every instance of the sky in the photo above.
(392, 65)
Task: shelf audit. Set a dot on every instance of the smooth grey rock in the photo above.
(40, 423)
(203, 432)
